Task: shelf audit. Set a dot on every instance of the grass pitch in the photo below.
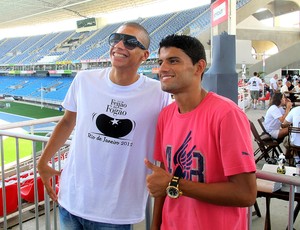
(32, 111)
(25, 146)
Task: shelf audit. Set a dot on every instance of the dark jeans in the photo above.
(69, 221)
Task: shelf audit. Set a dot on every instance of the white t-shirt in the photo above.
(273, 84)
(284, 89)
(284, 80)
(294, 117)
(104, 177)
(254, 83)
(272, 121)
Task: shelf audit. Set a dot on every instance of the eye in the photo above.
(159, 63)
(132, 41)
(173, 61)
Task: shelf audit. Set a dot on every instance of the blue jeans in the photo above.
(71, 222)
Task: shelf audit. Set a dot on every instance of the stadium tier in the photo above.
(76, 47)
(33, 87)
(50, 55)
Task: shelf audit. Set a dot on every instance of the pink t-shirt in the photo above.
(205, 145)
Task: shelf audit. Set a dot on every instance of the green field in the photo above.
(32, 111)
(25, 146)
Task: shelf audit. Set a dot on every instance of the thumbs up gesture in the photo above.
(158, 181)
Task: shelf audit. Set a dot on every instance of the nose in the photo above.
(163, 67)
(120, 44)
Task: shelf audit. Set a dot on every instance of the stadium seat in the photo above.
(27, 190)
(11, 199)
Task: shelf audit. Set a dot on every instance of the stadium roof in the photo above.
(16, 13)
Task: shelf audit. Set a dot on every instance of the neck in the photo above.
(123, 77)
(188, 102)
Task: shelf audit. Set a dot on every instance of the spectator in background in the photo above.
(293, 118)
(197, 138)
(288, 87)
(279, 108)
(254, 86)
(273, 85)
(279, 85)
(102, 185)
(297, 86)
(285, 79)
(295, 79)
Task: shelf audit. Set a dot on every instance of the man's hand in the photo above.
(46, 173)
(158, 181)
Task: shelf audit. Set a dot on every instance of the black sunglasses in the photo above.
(130, 42)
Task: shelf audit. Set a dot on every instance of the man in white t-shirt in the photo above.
(115, 110)
(273, 84)
(254, 86)
(293, 118)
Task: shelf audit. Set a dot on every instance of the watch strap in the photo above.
(174, 181)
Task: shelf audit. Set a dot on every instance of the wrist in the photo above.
(173, 190)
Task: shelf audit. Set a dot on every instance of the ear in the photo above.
(146, 55)
(201, 65)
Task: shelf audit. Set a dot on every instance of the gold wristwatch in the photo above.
(173, 190)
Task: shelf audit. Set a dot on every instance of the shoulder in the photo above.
(295, 111)
(150, 81)
(273, 107)
(152, 85)
(220, 100)
(221, 106)
(171, 108)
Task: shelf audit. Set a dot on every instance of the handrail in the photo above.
(27, 136)
(35, 139)
(286, 179)
(30, 122)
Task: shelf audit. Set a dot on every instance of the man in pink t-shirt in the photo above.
(203, 141)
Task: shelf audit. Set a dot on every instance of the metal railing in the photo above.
(28, 199)
(21, 167)
(293, 182)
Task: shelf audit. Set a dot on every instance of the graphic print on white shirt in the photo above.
(113, 126)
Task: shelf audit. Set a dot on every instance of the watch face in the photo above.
(173, 192)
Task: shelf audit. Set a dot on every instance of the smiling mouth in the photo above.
(165, 77)
(119, 55)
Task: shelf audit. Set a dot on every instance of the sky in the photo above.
(158, 8)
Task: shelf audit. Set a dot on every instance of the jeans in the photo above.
(71, 222)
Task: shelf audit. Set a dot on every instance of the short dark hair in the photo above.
(191, 46)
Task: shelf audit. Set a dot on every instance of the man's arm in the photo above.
(285, 124)
(59, 136)
(157, 208)
(240, 190)
(288, 108)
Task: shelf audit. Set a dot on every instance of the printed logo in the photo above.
(188, 163)
(113, 130)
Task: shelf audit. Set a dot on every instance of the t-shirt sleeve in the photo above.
(236, 144)
(70, 102)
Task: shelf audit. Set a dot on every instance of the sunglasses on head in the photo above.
(130, 42)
